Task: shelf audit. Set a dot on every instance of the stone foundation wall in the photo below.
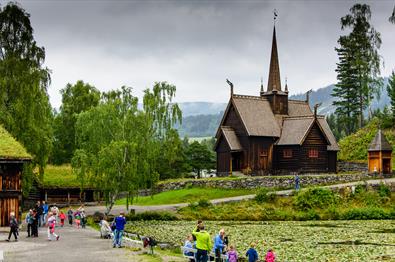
(266, 181)
(345, 167)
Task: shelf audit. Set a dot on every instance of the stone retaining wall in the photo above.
(346, 167)
(266, 181)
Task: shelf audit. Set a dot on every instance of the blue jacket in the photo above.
(120, 223)
(252, 255)
(218, 243)
(45, 208)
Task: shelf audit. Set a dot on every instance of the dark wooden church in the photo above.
(271, 134)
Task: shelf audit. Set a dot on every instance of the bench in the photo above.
(186, 250)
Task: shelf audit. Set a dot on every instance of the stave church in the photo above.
(271, 134)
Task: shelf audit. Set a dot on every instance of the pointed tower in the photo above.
(278, 98)
(274, 82)
(380, 155)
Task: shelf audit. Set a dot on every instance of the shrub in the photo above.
(152, 215)
(384, 190)
(315, 198)
(203, 203)
(366, 213)
(264, 195)
(308, 215)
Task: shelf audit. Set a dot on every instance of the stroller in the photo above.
(105, 230)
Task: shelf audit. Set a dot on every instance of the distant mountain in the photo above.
(201, 119)
(323, 95)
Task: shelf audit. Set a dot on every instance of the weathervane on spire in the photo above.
(275, 15)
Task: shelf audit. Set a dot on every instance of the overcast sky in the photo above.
(195, 45)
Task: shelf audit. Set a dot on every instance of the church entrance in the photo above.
(236, 161)
(386, 166)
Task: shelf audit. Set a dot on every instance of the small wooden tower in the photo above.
(379, 155)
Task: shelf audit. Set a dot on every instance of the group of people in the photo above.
(115, 230)
(44, 215)
(200, 240)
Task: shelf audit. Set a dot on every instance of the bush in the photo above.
(384, 191)
(366, 213)
(264, 196)
(152, 215)
(203, 203)
(315, 198)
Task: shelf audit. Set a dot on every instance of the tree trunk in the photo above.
(111, 204)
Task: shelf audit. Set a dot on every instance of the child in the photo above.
(13, 227)
(189, 243)
(70, 216)
(77, 218)
(270, 256)
(51, 226)
(251, 253)
(62, 217)
(232, 254)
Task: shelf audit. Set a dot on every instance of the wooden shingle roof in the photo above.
(256, 115)
(231, 138)
(10, 149)
(380, 143)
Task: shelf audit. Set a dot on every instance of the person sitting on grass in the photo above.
(120, 222)
(203, 243)
(252, 254)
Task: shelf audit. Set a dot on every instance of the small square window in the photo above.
(287, 153)
(313, 153)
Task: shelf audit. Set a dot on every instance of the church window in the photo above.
(287, 153)
(313, 153)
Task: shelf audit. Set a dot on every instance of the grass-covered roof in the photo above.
(10, 148)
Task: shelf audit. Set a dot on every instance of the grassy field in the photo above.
(60, 176)
(291, 241)
(186, 196)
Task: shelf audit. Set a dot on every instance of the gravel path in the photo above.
(173, 207)
(73, 245)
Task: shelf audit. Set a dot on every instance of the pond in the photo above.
(292, 241)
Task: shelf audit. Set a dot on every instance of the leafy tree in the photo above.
(391, 94)
(25, 110)
(200, 157)
(358, 68)
(120, 145)
(76, 98)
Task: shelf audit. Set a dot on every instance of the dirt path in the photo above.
(73, 245)
(173, 207)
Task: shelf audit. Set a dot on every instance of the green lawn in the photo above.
(60, 176)
(186, 196)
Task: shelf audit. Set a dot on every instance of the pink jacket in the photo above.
(270, 256)
(232, 256)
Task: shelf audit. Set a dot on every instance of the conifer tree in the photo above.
(358, 68)
(391, 94)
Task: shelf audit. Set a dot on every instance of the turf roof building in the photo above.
(271, 134)
(12, 157)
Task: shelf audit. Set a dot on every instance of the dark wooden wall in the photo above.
(289, 164)
(260, 154)
(278, 103)
(332, 161)
(314, 140)
(10, 191)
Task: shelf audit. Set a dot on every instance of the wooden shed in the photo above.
(12, 157)
(380, 155)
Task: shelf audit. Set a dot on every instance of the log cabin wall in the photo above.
(314, 161)
(223, 157)
(260, 155)
(287, 162)
(332, 161)
(10, 191)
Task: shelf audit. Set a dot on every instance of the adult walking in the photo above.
(70, 213)
(297, 182)
(120, 222)
(45, 213)
(39, 213)
(13, 227)
(35, 224)
(203, 243)
(219, 245)
(29, 222)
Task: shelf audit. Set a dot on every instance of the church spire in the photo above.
(274, 82)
